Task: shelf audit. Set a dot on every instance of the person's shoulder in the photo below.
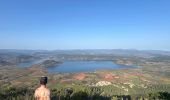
(48, 90)
(36, 92)
(37, 89)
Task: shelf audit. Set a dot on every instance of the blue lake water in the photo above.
(81, 66)
(85, 66)
(28, 63)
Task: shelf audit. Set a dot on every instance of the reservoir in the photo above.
(80, 66)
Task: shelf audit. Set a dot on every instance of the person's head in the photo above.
(43, 80)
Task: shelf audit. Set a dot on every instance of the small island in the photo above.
(50, 63)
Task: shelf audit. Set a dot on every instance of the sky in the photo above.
(85, 24)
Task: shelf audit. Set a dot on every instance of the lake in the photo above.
(28, 63)
(81, 66)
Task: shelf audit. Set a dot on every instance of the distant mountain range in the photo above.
(13, 57)
(119, 52)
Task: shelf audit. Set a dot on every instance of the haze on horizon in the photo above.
(85, 24)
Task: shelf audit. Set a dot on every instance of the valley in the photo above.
(152, 74)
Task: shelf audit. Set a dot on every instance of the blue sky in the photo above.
(85, 24)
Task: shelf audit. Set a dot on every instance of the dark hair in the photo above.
(43, 80)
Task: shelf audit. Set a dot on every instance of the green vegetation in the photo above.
(50, 63)
(86, 93)
(149, 81)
